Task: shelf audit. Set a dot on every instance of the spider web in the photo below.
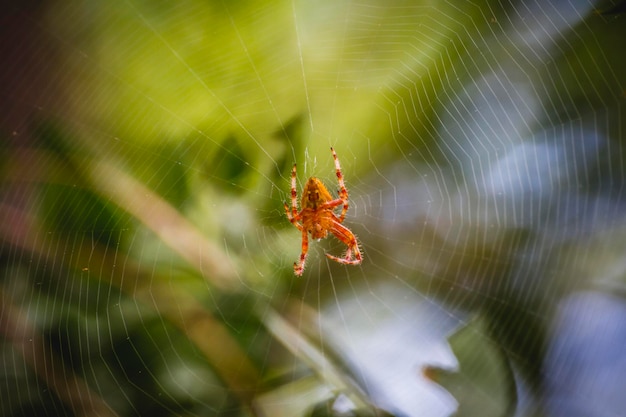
(148, 263)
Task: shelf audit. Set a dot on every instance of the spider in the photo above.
(317, 217)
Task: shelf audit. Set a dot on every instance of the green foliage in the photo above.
(75, 212)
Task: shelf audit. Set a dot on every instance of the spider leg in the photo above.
(292, 218)
(292, 213)
(298, 267)
(346, 236)
(294, 193)
(332, 204)
(343, 192)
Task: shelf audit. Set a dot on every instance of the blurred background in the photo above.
(147, 262)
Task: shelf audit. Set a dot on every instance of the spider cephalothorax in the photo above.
(317, 217)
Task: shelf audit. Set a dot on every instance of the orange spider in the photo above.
(317, 217)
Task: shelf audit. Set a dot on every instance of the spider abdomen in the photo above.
(314, 194)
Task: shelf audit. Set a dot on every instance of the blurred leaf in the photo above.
(73, 211)
(484, 385)
(341, 406)
(293, 399)
(227, 166)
